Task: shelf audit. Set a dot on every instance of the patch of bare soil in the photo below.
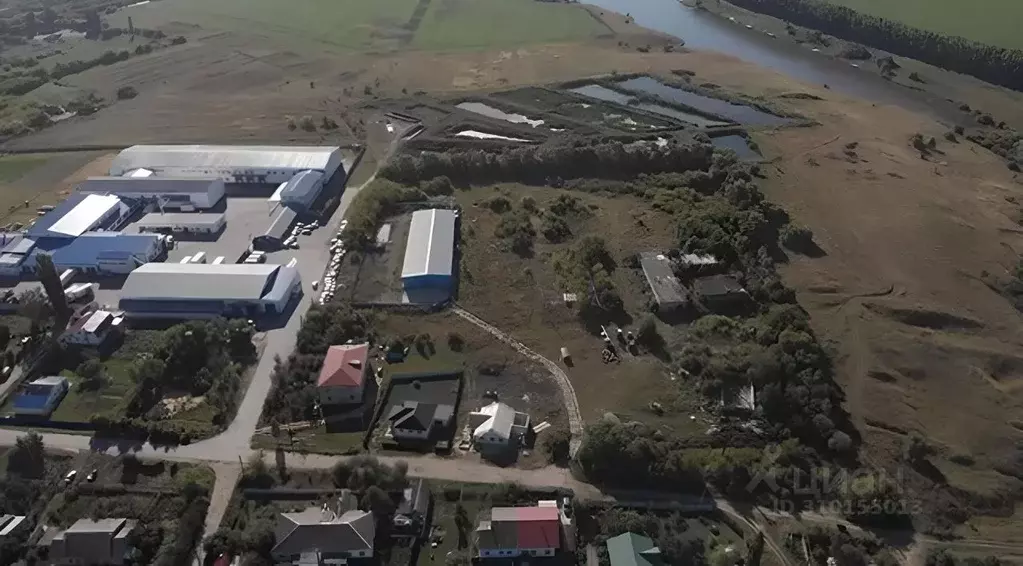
(923, 345)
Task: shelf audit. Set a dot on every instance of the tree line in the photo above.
(606, 159)
(995, 65)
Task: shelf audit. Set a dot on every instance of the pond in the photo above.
(740, 113)
(737, 144)
(491, 112)
(599, 92)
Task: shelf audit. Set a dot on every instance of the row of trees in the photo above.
(537, 164)
(993, 64)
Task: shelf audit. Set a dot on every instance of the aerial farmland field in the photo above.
(994, 22)
(355, 25)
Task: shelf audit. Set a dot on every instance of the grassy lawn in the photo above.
(441, 361)
(316, 440)
(469, 24)
(360, 25)
(13, 167)
(79, 405)
(994, 22)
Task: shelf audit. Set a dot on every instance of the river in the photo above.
(702, 30)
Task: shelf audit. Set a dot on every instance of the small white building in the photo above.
(497, 425)
(92, 329)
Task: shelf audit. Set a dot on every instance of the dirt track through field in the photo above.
(575, 419)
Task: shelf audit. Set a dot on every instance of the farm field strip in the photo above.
(994, 22)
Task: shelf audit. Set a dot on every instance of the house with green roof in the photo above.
(630, 549)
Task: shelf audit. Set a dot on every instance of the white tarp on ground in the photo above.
(86, 215)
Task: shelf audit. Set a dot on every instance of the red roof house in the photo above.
(343, 374)
(514, 531)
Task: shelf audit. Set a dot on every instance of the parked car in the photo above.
(92, 476)
(70, 477)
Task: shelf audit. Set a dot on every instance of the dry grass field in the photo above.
(522, 297)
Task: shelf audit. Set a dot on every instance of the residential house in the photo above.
(498, 426)
(91, 543)
(323, 536)
(630, 549)
(40, 397)
(718, 292)
(12, 526)
(92, 329)
(664, 285)
(413, 512)
(343, 375)
(415, 421)
(512, 532)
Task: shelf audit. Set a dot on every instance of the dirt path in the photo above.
(575, 419)
(220, 498)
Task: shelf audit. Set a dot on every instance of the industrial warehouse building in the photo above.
(275, 233)
(182, 223)
(232, 164)
(77, 234)
(79, 214)
(171, 192)
(196, 290)
(301, 191)
(430, 250)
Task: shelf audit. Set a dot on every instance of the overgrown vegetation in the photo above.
(539, 164)
(198, 358)
(992, 64)
(293, 397)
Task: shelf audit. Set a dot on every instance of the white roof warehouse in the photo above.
(429, 251)
(232, 163)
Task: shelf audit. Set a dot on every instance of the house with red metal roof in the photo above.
(520, 531)
(343, 375)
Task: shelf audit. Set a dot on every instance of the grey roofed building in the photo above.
(197, 221)
(718, 286)
(667, 290)
(302, 189)
(419, 417)
(279, 226)
(321, 532)
(430, 248)
(92, 542)
(196, 160)
(227, 281)
(631, 549)
(146, 185)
